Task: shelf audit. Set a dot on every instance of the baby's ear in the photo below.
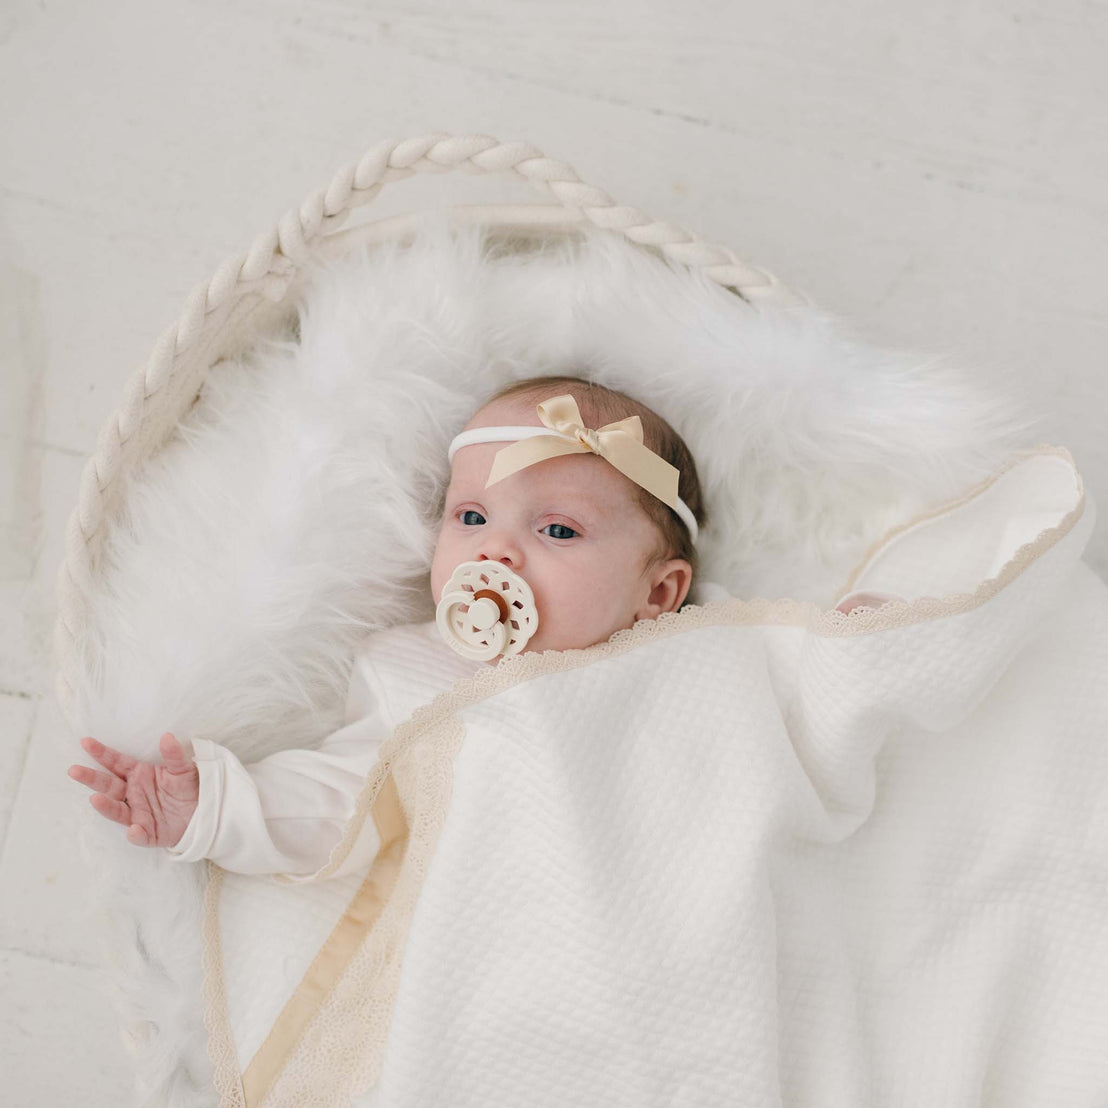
(671, 582)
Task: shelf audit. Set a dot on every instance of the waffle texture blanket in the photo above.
(750, 853)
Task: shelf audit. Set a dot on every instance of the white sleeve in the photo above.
(285, 813)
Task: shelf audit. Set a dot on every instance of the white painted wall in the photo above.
(935, 172)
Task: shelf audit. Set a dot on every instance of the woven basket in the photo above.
(252, 292)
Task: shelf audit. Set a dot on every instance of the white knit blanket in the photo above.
(752, 853)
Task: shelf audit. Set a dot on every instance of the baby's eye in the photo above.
(569, 531)
(471, 512)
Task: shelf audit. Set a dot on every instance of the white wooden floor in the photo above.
(935, 172)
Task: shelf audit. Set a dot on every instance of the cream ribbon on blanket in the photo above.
(619, 443)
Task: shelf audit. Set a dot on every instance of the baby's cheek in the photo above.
(592, 611)
(440, 569)
(558, 616)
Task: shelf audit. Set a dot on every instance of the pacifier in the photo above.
(500, 614)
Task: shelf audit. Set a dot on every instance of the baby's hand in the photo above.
(155, 802)
(867, 600)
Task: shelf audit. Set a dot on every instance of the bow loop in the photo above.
(619, 443)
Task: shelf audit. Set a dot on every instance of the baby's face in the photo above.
(569, 526)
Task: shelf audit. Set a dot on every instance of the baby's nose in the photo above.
(501, 550)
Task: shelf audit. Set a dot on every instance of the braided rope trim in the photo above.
(158, 395)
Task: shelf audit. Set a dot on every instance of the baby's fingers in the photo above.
(116, 810)
(108, 783)
(119, 812)
(173, 754)
(114, 760)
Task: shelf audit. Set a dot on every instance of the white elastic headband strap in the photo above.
(512, 434)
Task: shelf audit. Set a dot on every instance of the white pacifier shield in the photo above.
(487, 627)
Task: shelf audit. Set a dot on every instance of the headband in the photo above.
(562, 432)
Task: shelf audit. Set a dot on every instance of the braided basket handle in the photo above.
(159, 394)
(361, 181)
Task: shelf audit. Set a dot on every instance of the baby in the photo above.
(599, 548)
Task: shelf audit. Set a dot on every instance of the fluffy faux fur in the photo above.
(296, 509)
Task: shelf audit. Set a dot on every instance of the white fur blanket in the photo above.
(750, 853)
(295, 512)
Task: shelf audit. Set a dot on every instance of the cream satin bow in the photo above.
(619, 443)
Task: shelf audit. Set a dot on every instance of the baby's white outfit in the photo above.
(285, 813)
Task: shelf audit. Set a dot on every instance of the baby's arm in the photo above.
(283, 814)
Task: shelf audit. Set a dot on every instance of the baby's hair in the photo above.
(599, 405)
